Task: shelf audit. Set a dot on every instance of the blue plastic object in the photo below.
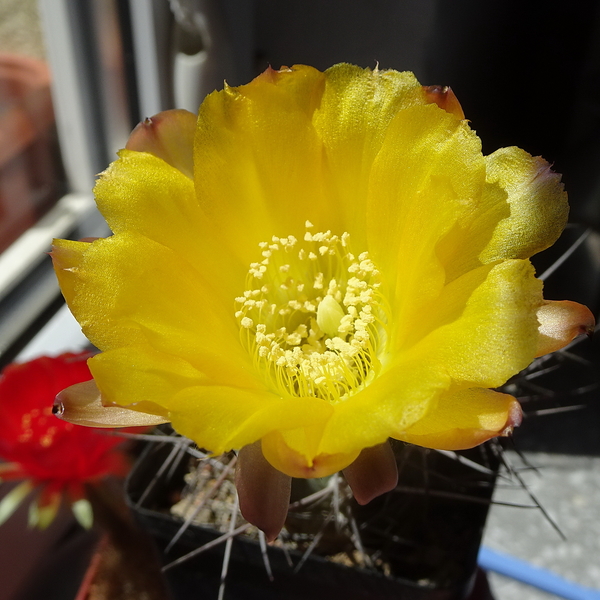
(490, 560)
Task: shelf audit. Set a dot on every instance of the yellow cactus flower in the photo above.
(317, 262)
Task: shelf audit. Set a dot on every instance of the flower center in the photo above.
(313, 316)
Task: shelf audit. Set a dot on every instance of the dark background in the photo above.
(526, 73)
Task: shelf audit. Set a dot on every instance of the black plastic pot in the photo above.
(430, 544)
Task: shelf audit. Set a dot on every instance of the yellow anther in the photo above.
(313, 328)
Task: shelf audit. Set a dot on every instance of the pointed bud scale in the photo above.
(61, 258)
(560, 323)
(373, 473)
(515, 418)
(168, 135)
(81, 404)
(444, 97)
(272, 75)
(264, 492)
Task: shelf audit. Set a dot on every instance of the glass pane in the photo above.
(31, 176)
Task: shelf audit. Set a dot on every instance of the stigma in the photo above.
(313, 316)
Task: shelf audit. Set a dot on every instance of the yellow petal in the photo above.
(140, 193)
(134, 292)
(169, 135)
(538, 205)
(395, 400)
(69, 259)
(463, 419)
(259, 161)
(355, 111)
(326, 128)
(280, 453)
(426, 177)
(496, 334)
(66, 258)
(234, 417)
(523, 210)
(137, 374)
(560, 323)
(445, 309)
(82, 404)
(458, 257)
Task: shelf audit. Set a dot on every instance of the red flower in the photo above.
(49, 454)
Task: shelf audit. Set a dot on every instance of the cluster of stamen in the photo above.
(38, 424)
(312, 315)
